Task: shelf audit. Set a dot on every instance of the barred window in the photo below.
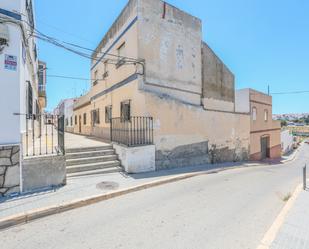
(75, 120)
(95, 117)
(108, 114)
(125, 110)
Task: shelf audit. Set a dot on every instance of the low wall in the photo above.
(43, 171)
(9, 170)
(136, 159)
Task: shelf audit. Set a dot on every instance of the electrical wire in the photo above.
(292, 92)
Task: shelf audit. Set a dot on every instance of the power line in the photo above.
(292, 92)
(70, 77)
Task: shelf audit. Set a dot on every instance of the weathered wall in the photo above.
(189, 135)
(43, 171)
(217, 82)
(170, 42)
(9, 170)
(287, 141)
(242, 101)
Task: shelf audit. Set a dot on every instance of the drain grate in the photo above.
(107, 185)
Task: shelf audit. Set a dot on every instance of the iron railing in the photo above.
(43, 135)
(136, 131)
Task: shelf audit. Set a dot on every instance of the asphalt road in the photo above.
(230, 209)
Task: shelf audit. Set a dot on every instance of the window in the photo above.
(30, 12)
(265, 115)
(121, 54)
(37, 108)
(66, 122)
(125, 110)
(105, 69)
(95, 77)
(95, 117)
(71, 120)
(75, 120)
(108, 114)
(30, 99)
(85, 118)
(254, 113)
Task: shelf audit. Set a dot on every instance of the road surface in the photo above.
(230, 209)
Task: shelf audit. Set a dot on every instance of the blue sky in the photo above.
(262, 42)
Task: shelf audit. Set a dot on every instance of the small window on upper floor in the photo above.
(105, 74)
(265, 115)
(121, 54)
(254, 113)
(95, 78)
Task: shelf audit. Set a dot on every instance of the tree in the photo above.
(284, 123)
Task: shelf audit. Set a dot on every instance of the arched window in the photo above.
(254, 113)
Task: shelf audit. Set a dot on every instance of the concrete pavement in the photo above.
(294, 232)
(230, 209)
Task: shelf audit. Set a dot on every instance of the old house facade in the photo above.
(153, 63)
(264, 131)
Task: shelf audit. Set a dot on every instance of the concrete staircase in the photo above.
(91, 161)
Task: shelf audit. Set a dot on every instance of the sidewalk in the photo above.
(294, 233)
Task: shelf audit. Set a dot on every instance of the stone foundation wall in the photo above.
(182, 156)
(9, 170)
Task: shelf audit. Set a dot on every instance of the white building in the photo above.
(21, 100)
(287, 141)
(18, 69)
(65, 108)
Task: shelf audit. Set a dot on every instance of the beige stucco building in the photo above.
(265, 132)
(153, 63)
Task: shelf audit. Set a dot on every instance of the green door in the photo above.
(264, 147)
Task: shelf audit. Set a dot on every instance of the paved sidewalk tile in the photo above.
(294, 233)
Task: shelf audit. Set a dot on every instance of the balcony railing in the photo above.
(137, 131)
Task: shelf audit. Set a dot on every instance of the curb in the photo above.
(270, 235)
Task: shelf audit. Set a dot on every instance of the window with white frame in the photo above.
(254, 113)
(265, 115)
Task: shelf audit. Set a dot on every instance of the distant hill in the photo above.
(290, 116)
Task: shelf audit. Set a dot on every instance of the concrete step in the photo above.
(84, 149)
(92, 153)
(87, 160)
(95, 172)
(93, 166)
